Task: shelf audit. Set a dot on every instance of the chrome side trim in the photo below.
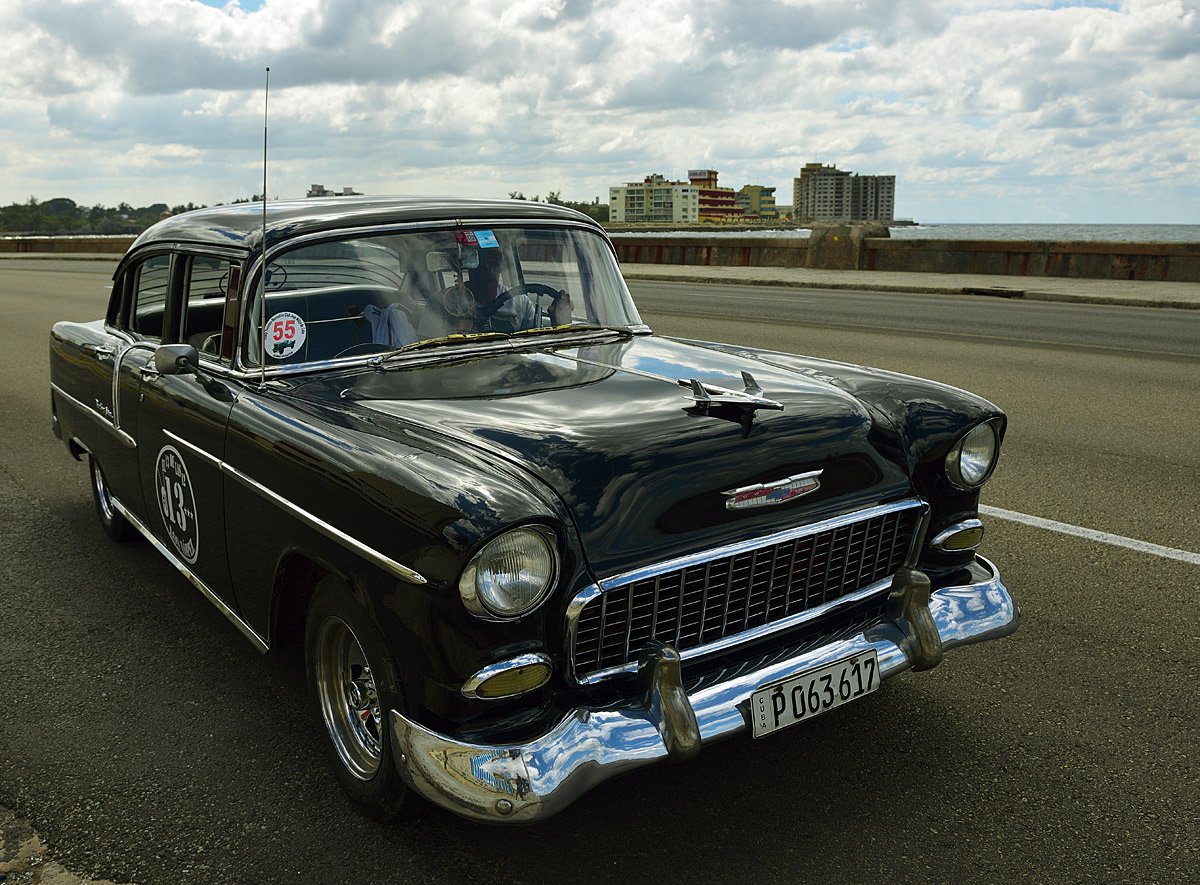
(471, 686)
(118, 358)
(519, 783)
(194, 449)
(126, 440)
(249, 632)
(400, 571)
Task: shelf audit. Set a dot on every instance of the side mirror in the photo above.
(176, 359)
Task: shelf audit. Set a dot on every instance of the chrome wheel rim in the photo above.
(348, 698)
(102, 494)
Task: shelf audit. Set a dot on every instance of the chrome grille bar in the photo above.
(764, 585)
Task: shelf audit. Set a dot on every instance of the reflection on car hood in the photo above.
(643, 471)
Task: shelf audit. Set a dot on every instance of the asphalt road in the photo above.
(148, 742)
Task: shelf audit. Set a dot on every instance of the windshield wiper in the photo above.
(478, 337)
(456, 338)
(575, 327)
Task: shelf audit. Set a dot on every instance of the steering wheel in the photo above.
(276, 276)
(363, 347)
(537, 289)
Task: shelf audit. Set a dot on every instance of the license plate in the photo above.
(808, 694)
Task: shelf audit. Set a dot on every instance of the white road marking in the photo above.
(1093, 535)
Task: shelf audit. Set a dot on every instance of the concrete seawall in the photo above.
(1156, 262)
(1152, 262)
(713, 251)
(61, 245)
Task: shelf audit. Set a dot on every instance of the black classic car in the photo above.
(526, 543)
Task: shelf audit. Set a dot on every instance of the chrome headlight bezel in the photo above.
(482, 596)
(972, 460)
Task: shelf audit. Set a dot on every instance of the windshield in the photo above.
(427, 288)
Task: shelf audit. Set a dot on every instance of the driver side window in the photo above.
(204, 307)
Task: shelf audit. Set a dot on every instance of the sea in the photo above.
(1063, 233)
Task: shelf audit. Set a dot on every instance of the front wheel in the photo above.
(353, 686)
(114, 524)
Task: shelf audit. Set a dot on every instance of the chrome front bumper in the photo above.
(524, 783)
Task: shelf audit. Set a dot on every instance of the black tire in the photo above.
(347, 668)
(114, 524)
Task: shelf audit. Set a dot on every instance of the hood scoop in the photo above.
(731, 405)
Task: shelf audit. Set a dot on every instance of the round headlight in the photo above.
(511, 574)
(973, 459)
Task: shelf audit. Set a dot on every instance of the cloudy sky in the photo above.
(985, 110)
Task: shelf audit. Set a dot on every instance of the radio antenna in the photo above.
(262, 277)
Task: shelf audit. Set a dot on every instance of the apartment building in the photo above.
(757, 202)
(699, 200)
(718, 205)
(654, 199)
(826, 193)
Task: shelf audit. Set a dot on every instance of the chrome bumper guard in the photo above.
(524, 783)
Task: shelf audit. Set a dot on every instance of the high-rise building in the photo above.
(873, 198)
(826, 193)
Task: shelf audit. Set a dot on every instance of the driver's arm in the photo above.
(562, 310)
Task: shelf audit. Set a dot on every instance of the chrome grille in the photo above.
(699, 602)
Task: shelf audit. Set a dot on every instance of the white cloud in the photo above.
(986, 110)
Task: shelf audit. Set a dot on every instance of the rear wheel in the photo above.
(353, 685)
(114, 524)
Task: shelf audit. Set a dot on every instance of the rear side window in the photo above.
(150, 285)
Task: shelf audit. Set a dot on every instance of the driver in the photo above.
(483, 304)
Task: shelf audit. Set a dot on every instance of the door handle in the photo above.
(99, 351)
(149, 373)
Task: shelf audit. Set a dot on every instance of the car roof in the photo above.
(241, 225)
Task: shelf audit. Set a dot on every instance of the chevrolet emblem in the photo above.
(771, 493)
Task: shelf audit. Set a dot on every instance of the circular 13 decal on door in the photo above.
(176, 503)
(284, 335)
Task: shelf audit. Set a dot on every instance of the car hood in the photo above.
(645, 474)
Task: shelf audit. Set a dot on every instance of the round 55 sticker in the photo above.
(176, 503)
(284, 335)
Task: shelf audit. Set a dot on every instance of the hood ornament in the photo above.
(733, 405)
(769, 494)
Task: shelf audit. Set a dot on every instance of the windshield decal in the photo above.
(285, 334)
